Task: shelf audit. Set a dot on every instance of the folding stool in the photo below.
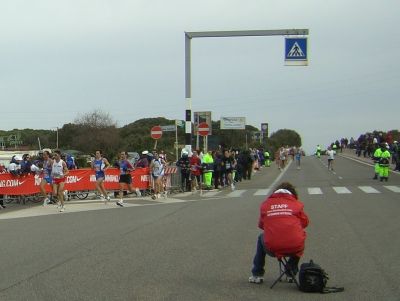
(284, 269)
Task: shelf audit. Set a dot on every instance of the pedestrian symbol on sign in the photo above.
(295, 51)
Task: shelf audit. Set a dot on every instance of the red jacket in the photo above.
(195, 164)
(283, 220)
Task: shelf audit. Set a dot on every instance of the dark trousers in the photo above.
(239, 173)
(217, 179)
(259, 259)
(247, 172)
(185, 180)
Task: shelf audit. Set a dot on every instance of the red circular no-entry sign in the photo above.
(156, 132)
(203, 129)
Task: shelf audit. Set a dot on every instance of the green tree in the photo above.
(136, 136)
(91, 131)
(283, 137)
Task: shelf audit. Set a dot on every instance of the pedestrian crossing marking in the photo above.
(368, 189)
(341, 190)
(89, 205)
(393, 188)
(236, 193)
(262, 192)
(211, 193)
(314, 190)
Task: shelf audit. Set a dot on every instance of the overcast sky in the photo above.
(59, 59)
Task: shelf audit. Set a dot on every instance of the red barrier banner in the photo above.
(77, 179)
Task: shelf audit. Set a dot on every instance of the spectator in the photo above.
(248, 165)
(184, 165)
(2, 206)
(229, 164)
(143, 162)
(218, 170)
(70, 161)
(15, 168)
(208, 168)
(163, 156)
(2, 170)
(396, 154)
(195, 170)
(26, 164)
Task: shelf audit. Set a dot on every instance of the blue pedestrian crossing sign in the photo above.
(296, 52)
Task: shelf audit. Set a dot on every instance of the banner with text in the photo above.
(233, 123)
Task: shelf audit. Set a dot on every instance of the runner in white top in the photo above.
(58, 172)
(157, 172)
(331, 156)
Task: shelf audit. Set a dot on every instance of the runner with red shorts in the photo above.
(58, 173)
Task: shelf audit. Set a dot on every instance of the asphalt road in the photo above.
(200, 247)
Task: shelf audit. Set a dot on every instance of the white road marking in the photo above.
(279, 177)
(168, 200)
(262, 191)
(393, 188)
(236, 193)
(211, 193)
(368, 189)
(341, 190)
(314, 190)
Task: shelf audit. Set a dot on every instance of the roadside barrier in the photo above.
(172, 178)
(76, 180)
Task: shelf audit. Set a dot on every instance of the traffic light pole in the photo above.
(218, 34)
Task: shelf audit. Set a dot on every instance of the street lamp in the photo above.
(56, 136)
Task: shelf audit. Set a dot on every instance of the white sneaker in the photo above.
(62, 209)
(138, 193)
(120, 203)
(256, 279)
(46, 201)
(108, 198)
(158, 195)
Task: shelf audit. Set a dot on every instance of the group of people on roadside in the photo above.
(369, 145)
(219, 168)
